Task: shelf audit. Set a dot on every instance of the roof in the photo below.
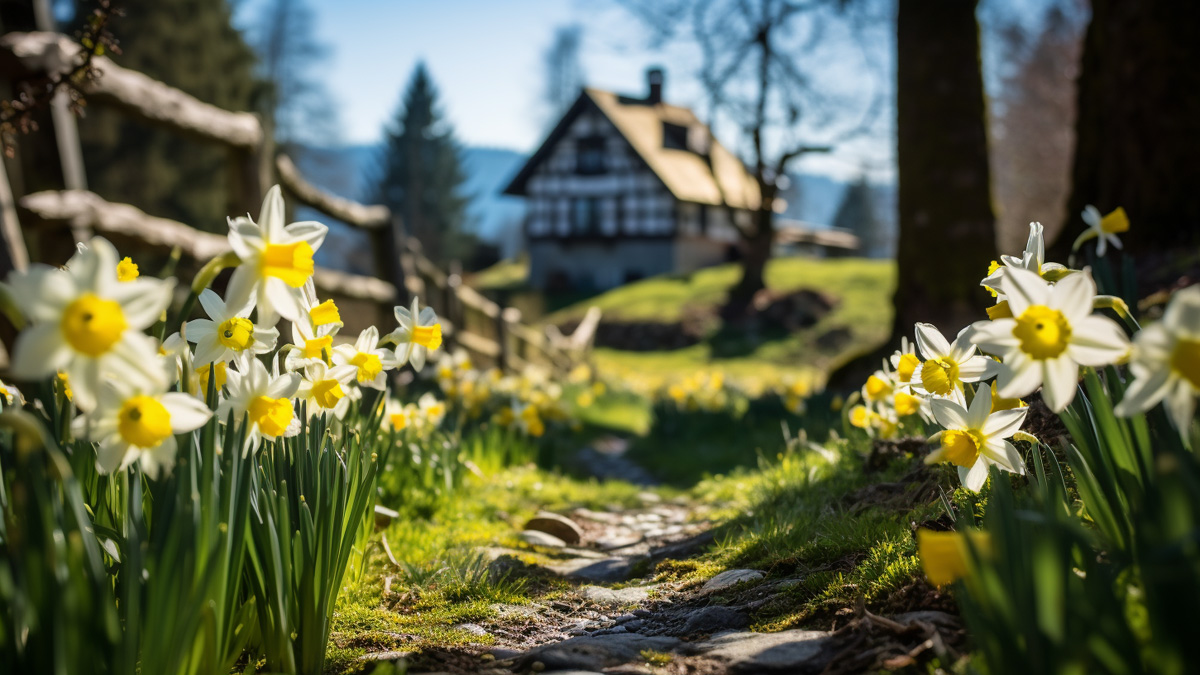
(797, 232)
(687, 175)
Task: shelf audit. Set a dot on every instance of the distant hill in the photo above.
(349, 170)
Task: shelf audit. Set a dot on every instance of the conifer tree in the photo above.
(857, 214)
(421, 175)
(192, 45)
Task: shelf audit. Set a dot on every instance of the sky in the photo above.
(486, 58)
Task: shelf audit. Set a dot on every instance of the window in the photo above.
(675, 136)
(590, 155)
(585, 216)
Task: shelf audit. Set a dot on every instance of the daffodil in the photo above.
(327, 390)
(906, 364)
(10, 396)
(88, 324)
(277, 262)
(134, 424)
(310, 346)
(1103, 229)
(879, 387)
(418, 334)
(228, 332)
(946, 556)
(974, 438)
(948, 365)
(1166, 362)
(432, 410)
(371, 362)
(261, 397)
(1033, 259)
(1052, 334)
(127, 270)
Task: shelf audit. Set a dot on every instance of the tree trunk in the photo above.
(947, 228)
(756, 251)
(1138, 130)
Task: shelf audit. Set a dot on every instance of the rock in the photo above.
(729, 579)
(611, 631)
(624, 618)
(557, 526)
(614, 597)
(538, 538)
(635, 625)
(649, 497)
(625, 539)
(384, 516)
(715, 619)
(596, 651)
(509, 611)
(604, 570)
(472, 628)
(789, 651)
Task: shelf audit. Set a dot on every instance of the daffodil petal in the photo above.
(931, 342)
(949, 414)
(187, 412)
(1004, 423)
(1060, 379)
(1025, 288)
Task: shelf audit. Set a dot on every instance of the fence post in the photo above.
(389, 257)
(451, 305)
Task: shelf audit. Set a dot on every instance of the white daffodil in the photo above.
(277, 261)
(1166, 362)
(134, 424)
(948, 365)
(418, 334)
(228, 332)
(310, 347)
(974, 438)
(1033, 259)
(879, 386)
(326, 389)
(431, 409)
(262, 397)
(10, 396)
(906, 364)
(87, 324)
(1103, 229)
(369, 359)
(320, 313)
(1053, 332)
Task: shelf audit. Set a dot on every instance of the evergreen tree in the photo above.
(857, 214)
(192, 45)
(421, 177)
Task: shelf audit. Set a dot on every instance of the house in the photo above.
(625, 188)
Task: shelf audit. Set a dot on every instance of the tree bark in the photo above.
(756, 252)
(1138, 130)
(947, 228)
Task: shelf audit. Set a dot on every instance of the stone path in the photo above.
(618, 620)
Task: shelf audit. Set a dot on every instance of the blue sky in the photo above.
(486, 58)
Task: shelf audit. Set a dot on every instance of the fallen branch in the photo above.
(345, 210)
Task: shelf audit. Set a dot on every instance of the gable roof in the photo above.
(687, 175)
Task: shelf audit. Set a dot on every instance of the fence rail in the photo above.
(491, 333)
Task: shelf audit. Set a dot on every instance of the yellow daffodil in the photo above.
(974, 438)
(127, 270)
(369, 359)
(906, 364)
(277, 262)
(86, 323)
(1103, 229)
(138, 425)
(432, 410)
(228, 332)
(1166, 362)
(946, 556)
(879, 387)
(418, 334)
(948, 365)
(265, 399)
(1053, 332)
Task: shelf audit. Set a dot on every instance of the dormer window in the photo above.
(590, 155)
(675, 136)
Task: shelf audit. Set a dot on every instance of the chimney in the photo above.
(654, 84)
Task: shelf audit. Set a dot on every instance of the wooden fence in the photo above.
(490, 333)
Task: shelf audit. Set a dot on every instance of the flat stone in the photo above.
(789, 651)
(619, 540)
(523, 611)
(729, 579)
(615, 597)
(539, 538)
(603, 570)
(472, 628)
(595, 651)
(715, 619)
(559, 526)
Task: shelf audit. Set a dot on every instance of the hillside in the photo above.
(860, 319)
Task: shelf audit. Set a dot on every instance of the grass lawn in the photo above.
(862, 317)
